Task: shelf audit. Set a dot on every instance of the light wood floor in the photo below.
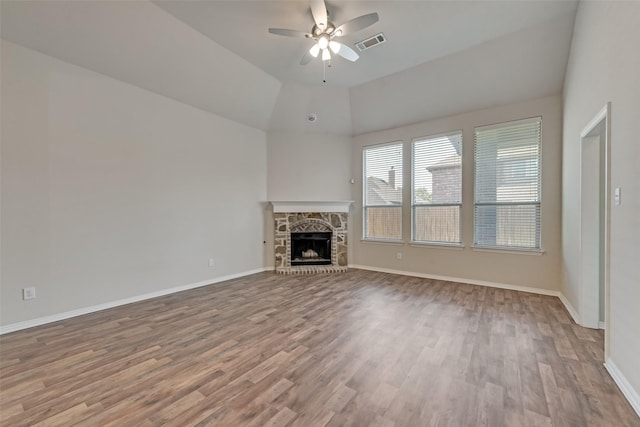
(359, 348)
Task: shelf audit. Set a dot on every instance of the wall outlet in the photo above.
(399, 255)
(28, 293)
(211, 262)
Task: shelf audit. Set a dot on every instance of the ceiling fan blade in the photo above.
(289, 33)
(319, 12)
(356, 24)
(347, 53)
(306, 58)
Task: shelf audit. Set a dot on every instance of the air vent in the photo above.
(371, 42)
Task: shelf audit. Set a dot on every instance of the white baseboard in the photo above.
(627, 389)
(601, 325)
(572, 311)
(86, 310)
(539, 291)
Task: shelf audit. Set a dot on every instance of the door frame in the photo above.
(588, 317)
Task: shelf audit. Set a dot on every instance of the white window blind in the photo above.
(382, 198)
(507, 185)
(436, 188)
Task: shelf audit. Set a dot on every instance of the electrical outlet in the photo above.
(211, 263)
(28, 293)
(399, 255)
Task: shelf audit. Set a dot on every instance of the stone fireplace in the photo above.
(310, 237)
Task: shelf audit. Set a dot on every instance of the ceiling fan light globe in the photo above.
(323, 42)
(334, 46)
(315, 50)
(325, 55)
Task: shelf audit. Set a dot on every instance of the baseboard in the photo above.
(601, 325)
(461, 280)
(627, 389)
(572, 311)
(92, 309)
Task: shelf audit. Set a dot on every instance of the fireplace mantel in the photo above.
(312, 206)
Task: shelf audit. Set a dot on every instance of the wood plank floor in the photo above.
(360, 348)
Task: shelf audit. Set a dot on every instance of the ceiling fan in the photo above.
(324, 32)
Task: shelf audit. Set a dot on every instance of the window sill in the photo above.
(384, 241)
(436, 245)
(534, 252)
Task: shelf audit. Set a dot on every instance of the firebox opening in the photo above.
(311, 248)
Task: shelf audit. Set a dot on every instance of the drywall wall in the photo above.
(308, 166)
(110, 191)
(604, 66)
(515, 269)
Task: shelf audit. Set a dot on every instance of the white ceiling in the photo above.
(219, 56)
(417, 31)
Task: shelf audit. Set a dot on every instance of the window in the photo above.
(507, 185)
(382, 199)
(436, 188)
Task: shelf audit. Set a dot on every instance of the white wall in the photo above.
(309, 166)
(110, 191)
(605, 66)
(515, 269)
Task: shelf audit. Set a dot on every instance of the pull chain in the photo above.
(324, 72)
(325, 64)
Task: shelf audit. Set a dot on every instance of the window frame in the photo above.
(414, 241)
(538, 238)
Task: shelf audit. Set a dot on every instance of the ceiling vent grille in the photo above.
(371, 42)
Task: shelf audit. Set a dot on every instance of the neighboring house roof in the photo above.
(380, 192)
(448, 162)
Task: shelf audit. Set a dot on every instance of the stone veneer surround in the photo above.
(287, 222)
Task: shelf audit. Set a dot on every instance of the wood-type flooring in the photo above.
(354, 349)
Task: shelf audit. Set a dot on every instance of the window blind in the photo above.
(382, 198)
(507, 184)
(437, 188)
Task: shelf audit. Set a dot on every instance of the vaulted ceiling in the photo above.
(441, 57)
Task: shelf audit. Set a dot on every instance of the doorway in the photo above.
(594, 222)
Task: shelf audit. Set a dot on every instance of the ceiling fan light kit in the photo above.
(315, 50)
(324, 32)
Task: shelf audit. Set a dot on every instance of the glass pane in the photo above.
(508, 226)
(436, 224)
(383, 175)
(437, 176)
(383, 223)
(507, 163)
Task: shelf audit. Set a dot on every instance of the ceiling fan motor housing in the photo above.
(317, 31)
